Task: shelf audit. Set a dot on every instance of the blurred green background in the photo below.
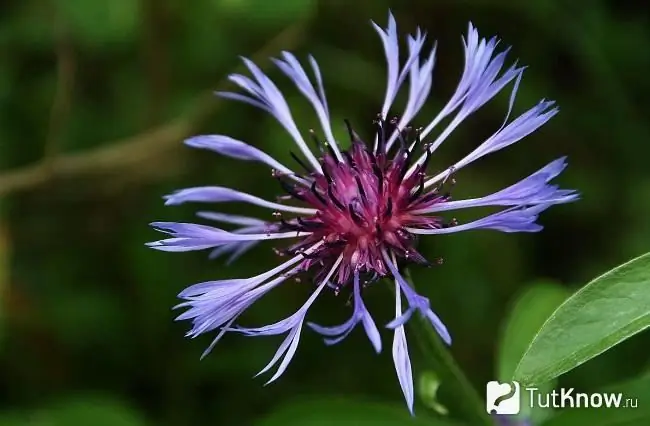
(96, 99)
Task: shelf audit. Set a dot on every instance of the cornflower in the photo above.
(355, 214)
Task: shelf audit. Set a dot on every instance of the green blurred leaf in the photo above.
(605, 312)
(429, 383)
(526, 317)
(101, 22)
(637, 390)
(263, 14)
(325, 411)
(4, 274)
(95, 411)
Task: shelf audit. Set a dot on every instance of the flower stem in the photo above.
(466, 401)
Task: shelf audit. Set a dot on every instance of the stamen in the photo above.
(354, 138)
(419, 191)
(389, 208)
(362, 191)
(380, 176)
(317, 142)
(327, 175)
(315, 192)
(355, 217)
(300, 162)
(290, 189)
(381, 135)
(330, 192)
(309, 226)
(351, 162)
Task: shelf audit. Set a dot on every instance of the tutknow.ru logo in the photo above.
(505, 398)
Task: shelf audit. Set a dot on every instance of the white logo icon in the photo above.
(502, 398)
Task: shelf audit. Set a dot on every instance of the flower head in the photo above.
(354, 214)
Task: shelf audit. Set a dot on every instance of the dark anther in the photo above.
(348, 157)
(300, 162)
(290, 189)
(354, 138)
(330, 192)
(279, 252)
(289, 226)
(362, 191)
(309, 255)
(319, 144)
(355, 217)
(335, 244)
(326, 174)
(417, 140)
(405, 163)
(378, 229)
(381, 134)
(309, 226)
(389, 208)
(452, 222)
(315, 192)
(426, 160)
(380, 176)
(420, 189)
(330, 150)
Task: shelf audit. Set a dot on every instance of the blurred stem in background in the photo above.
(464, 399)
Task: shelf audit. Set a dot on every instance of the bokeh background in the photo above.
(96, 98)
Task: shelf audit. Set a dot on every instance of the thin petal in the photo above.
(479, 83)
(415, 301)
(401, 357)
(519, 128)
(290, 322)
(360, 314)
(234, 148)
(515, 219)
(265, 95)
(218, 194)
(529, 191)
(190, 236)
(292, 69)
(233, 219)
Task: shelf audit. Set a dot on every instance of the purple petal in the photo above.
(294, 335)
(219, 194)
(292, 69)
(529, 191)
(360, 314)
(415, 301)
(401, 357)
(232, 219)
(515, 219)
(284, 346)
(265, 95)
(292, 321)
(190, 236)
(234, 148)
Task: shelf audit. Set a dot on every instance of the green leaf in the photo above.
(264, 15)
(526, 317)
(98, 23)
(636, 391)
(4, 273)
(96, 411)
(605, 312)
(429, 384)
(325, 411)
